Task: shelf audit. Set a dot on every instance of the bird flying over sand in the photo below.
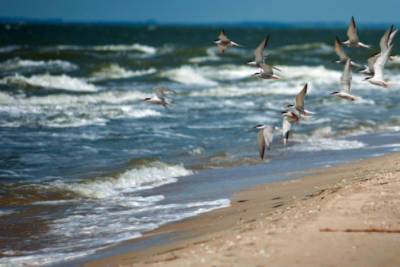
(264, 138)
(345, 84)
(223, 42)
(160, 97)
(352, 34)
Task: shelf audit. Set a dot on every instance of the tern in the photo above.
(379, 65)
(259, 53)
(266, 72)
(159, 97)
(353, 40)
(384, 43)
(223, 42)
(369, 69)
(342, 54)
(264, 138)
(299, 102)
(345, 84)
(286, 129)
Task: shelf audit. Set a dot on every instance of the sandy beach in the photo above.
(347, 215)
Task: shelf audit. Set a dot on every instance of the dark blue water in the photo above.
(89, 164)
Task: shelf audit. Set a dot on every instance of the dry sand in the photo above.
(347, 215)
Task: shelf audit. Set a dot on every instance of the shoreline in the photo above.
(249, 210)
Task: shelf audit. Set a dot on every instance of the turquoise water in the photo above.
(87, 162)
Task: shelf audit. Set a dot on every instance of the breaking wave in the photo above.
(114, 71)
(63, 82)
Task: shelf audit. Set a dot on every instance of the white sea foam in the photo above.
(63, 110)
(211, 56)
(314, 48)
(321, 144)
(132, 180)
(146, 49)
(114, 71)
(63, 82)
(188, 75)
(121, 47)
(9, 48)
(21, 64)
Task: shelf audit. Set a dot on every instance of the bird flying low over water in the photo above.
(369, 69)
(264, 138)
(384, 43)
(299, 102)
(345, 84)
(379, 65)
(259, 57)
(223, 42)
(159, 97)
(342, 54)
(288, 117)
(352, 34)
(267, 72)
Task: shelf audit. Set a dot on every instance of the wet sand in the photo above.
(347, 215)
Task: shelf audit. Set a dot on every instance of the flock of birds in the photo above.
(294, 113)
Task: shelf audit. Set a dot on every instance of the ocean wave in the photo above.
(314, 48)
(9, 48)
(322, 144)
(146, 177)
(188, 75)
(62, 110)
(114, 71)
(17, 64)
(63, 82)
(121, 47)
(145, 49)
(211, 56)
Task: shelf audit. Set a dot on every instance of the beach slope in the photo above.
(347, 215)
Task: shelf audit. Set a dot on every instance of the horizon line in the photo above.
(154, 22)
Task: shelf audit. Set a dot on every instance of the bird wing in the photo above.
(371, 61)
(267, 69)
(162, 91)
(286, 126)
(352, 31)
(300, 97)
(261, 143)
(380, 63)
(345, 79)
(384, 41)
(268, 136)
(391, 36)
(222, 36)
(259, 52)
(339, 50)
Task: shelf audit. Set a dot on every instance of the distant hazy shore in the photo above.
(346, 215)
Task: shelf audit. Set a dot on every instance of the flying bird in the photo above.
(299, 102)
(353, 40)
(342, 54)
(369, 69)
(345, 84)
(266, 72)
(379, 65)
(160, 97)
(384, 43)
(264, 138)
(223, 42)
(259, 53)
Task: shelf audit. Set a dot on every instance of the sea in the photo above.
(86, 164)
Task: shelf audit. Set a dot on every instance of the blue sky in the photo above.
(204, 11)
